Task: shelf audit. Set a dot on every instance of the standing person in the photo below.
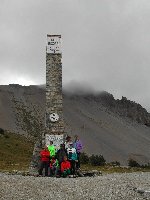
(72, 157)
(51, 149)
(45, 158)
(68, 141)
(61, 153)
(78, 146)
(65, 167)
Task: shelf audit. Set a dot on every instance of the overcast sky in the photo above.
(106, 44)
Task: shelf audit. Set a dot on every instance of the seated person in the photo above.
(65, 167)
(54, 166)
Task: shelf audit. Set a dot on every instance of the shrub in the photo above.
(1, 131)
(96, 160)
(146, 166)
(133, 163)
(84, 158)
(7, 136)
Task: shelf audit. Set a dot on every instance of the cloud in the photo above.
(79, 88)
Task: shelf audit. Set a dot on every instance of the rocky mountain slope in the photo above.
(117, 129)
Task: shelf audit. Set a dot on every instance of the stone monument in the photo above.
(54, 107)
(54, 123)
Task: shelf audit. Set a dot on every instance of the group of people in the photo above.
(63, 162)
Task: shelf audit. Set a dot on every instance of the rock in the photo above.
(140, 191)
(34, 165)
(92, 173)
(143, 192)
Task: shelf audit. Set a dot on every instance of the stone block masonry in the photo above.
(54, 122)
(54, 102)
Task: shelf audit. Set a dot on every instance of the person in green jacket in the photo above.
(52, 149)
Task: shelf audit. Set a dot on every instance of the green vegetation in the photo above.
(15, 152)
(133, 163)
(84, 158)
(97, 162)
(94, 160)
(108, 169)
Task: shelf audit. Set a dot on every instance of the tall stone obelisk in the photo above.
(54, 107)
(54, 123)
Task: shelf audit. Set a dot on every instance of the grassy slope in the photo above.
(111, 169)
(15, 152)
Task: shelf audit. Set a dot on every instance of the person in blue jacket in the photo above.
(72, 157)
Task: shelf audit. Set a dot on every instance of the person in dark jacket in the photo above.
(61, 153)
(45, 159)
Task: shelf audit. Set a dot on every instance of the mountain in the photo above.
(22, 109)
(117, 129)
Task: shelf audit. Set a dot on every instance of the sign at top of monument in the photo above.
(53, 44)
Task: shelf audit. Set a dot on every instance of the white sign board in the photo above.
(57, 140)
(53, 44)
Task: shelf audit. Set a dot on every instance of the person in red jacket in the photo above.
(65, 167)
(45, 160)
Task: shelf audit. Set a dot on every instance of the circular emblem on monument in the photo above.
(54, 117)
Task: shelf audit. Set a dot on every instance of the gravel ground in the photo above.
(133, 186)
